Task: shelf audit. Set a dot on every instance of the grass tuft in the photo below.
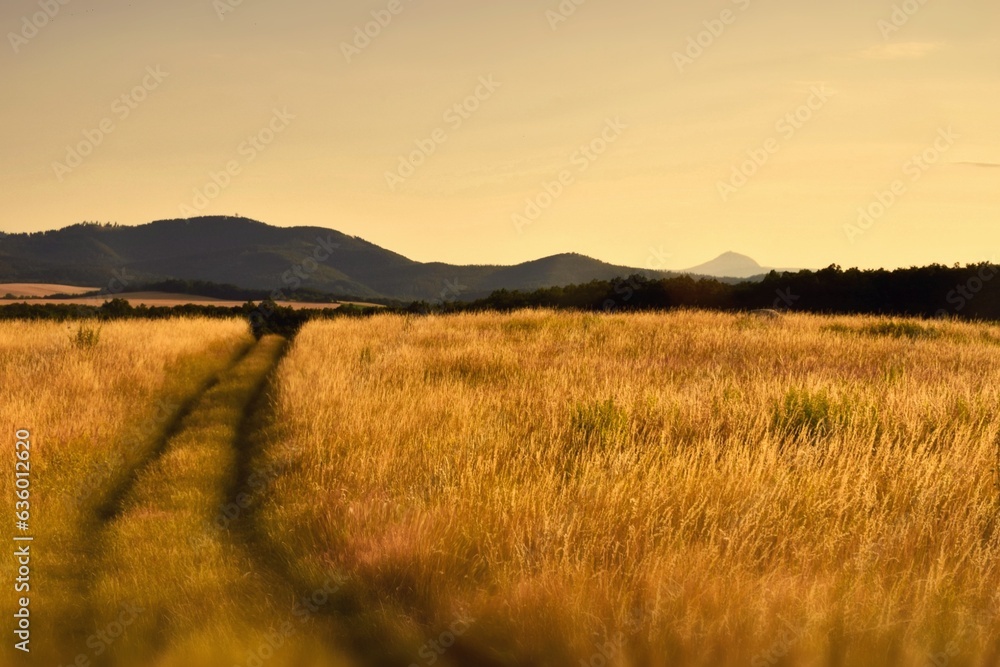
(87, 336)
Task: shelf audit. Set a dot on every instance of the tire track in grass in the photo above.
(354, 619)
(101, 492)
(112, 505)
(174, 590)
(327, 600)
(246, 496)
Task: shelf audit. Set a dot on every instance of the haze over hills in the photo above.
(254, 255)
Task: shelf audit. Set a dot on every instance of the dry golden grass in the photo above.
(141, 556)
(682, 489)
(212, 602)
(94, 414)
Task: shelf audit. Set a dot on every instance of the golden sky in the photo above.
(652, 134)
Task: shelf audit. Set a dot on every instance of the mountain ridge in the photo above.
(252, 254)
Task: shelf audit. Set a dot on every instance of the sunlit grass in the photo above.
(137, 444)
(206, 596)
(95, 411)
(683, 489)
(702, 488)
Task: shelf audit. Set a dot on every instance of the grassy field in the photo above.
(680, 489)
(97, 408)
(138, 454)
(37, 290)
(527, 489)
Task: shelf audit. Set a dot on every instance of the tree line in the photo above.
(968, 292)
(265, 317)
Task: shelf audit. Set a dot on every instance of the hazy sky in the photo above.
(312, 121)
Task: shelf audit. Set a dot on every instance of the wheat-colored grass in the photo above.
(94, 411)
(683, 489)
(675, 489)
(213, 602)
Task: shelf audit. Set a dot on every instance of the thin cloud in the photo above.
(987, 165)
(901, 51)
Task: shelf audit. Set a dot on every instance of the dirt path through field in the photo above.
(206, 602)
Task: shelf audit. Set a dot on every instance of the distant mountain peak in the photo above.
(730, 255)
(729, 265)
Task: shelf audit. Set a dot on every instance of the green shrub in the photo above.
(910, 330)
(601, 423)
(803, 412)
(86, 337)
(888, 329)
(839, 329)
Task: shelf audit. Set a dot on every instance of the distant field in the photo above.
(494, 490)
(161, 299)
(39, 289)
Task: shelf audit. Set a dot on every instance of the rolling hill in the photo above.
(254, 255)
